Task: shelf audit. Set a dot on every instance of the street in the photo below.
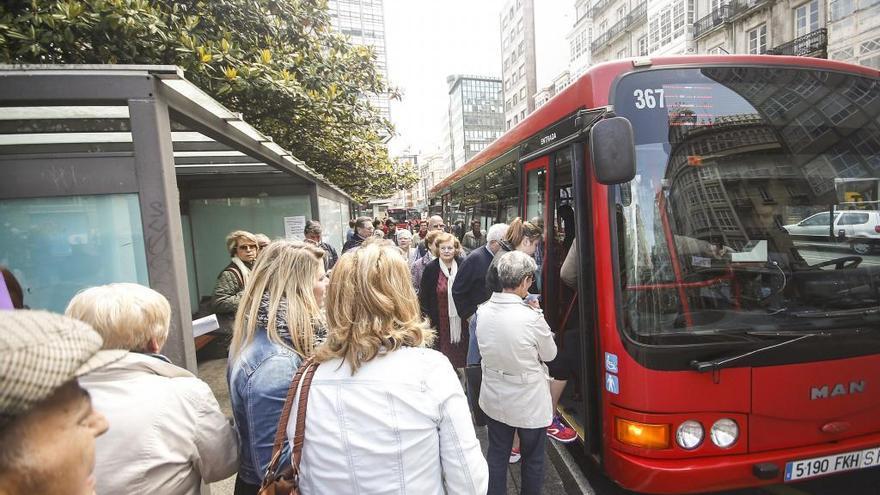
(814, 253)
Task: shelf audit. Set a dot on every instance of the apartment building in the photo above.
(776, 27)
(579, 39)
(517, 21)
(363, 21)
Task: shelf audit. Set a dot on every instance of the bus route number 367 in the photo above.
(648, 98)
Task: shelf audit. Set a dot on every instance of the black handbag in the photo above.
(473, 374)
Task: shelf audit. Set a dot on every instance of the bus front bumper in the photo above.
(706, 474)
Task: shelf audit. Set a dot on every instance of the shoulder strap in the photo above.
(236, 271)
(299, 431)
(307, 369)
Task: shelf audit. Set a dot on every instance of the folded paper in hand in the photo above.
(204, 325)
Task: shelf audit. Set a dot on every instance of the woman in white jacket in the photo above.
(385, 414)
(515, 341)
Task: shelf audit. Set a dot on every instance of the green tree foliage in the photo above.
(276, 61)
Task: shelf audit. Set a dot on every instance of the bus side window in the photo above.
(621, 244)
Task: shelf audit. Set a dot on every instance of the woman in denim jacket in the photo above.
(278, 324)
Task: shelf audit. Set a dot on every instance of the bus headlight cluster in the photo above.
(724, 433)
(689, 435)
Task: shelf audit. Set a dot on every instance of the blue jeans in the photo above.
(531, 445)
(473, 355)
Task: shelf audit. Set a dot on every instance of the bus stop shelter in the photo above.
(129, 173)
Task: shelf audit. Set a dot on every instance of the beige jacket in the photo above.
(515, 341)
(166, 434)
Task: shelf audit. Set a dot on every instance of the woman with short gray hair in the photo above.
(514, 341)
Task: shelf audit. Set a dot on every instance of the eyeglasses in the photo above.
(247, 247)
(447, 248)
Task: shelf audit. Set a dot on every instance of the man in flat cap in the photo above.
(47, 425)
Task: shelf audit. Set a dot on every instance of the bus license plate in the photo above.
(819, 466)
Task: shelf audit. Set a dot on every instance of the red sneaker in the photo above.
(560, 431)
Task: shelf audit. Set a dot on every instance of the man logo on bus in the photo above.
(838, 389)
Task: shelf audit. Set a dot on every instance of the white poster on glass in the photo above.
(294, 227)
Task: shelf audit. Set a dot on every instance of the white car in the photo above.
(860, 228)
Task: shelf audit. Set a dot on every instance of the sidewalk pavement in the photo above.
(213, 372)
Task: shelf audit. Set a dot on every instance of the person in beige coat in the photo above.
(168, 432)
(515, 342)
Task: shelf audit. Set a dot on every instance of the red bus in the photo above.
(726, 322)
(403, 217)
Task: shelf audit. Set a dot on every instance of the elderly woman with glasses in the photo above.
(243, 248)
(515, 341)
(435, 298)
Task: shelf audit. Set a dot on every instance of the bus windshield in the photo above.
(755, 203)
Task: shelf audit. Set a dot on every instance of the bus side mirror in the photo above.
(612, 148)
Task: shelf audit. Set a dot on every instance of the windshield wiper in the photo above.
(717, 364)
(832, 314)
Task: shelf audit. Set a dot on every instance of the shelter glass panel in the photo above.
(213, 219)
(59, 246)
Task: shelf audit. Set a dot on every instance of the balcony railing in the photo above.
(743, 6)
(812, 43)
(619, 27)
(599, 7)
(715, 18)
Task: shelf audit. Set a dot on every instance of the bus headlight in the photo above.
(689, 435)
(724, 433)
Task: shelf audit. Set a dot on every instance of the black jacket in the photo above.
(352, 243)
(469, 289)
(428, 291)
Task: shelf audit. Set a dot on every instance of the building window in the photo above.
(643, 46)
(758, 40)
(522, 93)
(836, 107)
(806, 18)
(621, 12)
(665, 26)
(840, 9)
(678, 19)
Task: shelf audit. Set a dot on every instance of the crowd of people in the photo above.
(391, 323)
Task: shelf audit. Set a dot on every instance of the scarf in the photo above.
(318, 326)
(454, 319)
(245, 271)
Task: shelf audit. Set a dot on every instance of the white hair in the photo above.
(513, 267)
(496, 232)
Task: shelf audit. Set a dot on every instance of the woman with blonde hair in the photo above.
(435, 298)
(278, 324)
(165, 421)
(406, 424)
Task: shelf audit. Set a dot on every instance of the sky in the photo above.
(427, 40)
